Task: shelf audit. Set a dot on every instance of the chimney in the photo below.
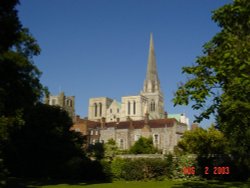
(103, 122)
(194, 126)
(77, 118)
(117, 120)
(165, 115)
(146, 120)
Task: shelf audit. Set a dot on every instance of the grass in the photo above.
(17, 183)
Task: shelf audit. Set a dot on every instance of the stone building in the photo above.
(65, 102)
(149, 100)
(134, 117)
(165, 132)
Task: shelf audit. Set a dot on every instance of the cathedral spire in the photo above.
(151, 83)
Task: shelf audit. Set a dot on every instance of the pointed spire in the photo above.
(152, 81)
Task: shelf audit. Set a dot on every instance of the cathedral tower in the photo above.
(151, 88)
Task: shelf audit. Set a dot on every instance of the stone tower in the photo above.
(151, 88)
(65, 102)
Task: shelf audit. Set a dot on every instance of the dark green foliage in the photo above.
(10, 24)
(143, 146)
(96, 151)
(44, 147)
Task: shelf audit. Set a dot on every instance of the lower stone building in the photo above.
(164, 132)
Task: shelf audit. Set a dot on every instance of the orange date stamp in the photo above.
(216, 170)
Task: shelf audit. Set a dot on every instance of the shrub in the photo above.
(139, 169)
(117, 167)
(143, 146)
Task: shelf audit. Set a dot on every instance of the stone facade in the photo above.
(164, 132)
(150, 100)
(134, 117)
(66, 102)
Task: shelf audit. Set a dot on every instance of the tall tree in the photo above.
(219, 81)
(19, 83)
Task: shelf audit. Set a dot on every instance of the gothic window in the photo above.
(96, 132)
(156, 139)
(152, 106)
(134, 107)
(117, 110)
(70, 103)
(100, 109)
(91, 132)
(111, 111)
(95, 106)
(128, 108)
(121, 144)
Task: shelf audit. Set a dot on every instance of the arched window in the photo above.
(95, 106)
(152, 106)
(100, 109)
(134, 107)
(156, 139)
(128, 108)
(121, 144)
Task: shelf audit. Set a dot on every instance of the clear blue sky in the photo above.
(95, 48)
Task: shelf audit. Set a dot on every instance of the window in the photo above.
(96, 132)
(156, 139)
(117, 110)
(93, 141)
(95, 106)
(134, 107)
(152, 106)
(121, 144)
(91, 132)
(110, 111)
(100, 110)
(128, 108)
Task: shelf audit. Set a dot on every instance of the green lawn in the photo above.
(129, 184)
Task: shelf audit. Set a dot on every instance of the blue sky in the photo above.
(95, 48)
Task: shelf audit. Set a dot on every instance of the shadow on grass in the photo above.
(31, 183)
(212, 184)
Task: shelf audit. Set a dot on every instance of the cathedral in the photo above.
(133, 117)
(150, 100)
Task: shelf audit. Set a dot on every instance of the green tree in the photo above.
(44, 147)
(203, 142)
(96, 151)
(19, 83)
(143, 146)
(219, 82)
(111, 149)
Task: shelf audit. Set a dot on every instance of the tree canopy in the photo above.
(202, 142)
(143, 146)
(219, 81)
